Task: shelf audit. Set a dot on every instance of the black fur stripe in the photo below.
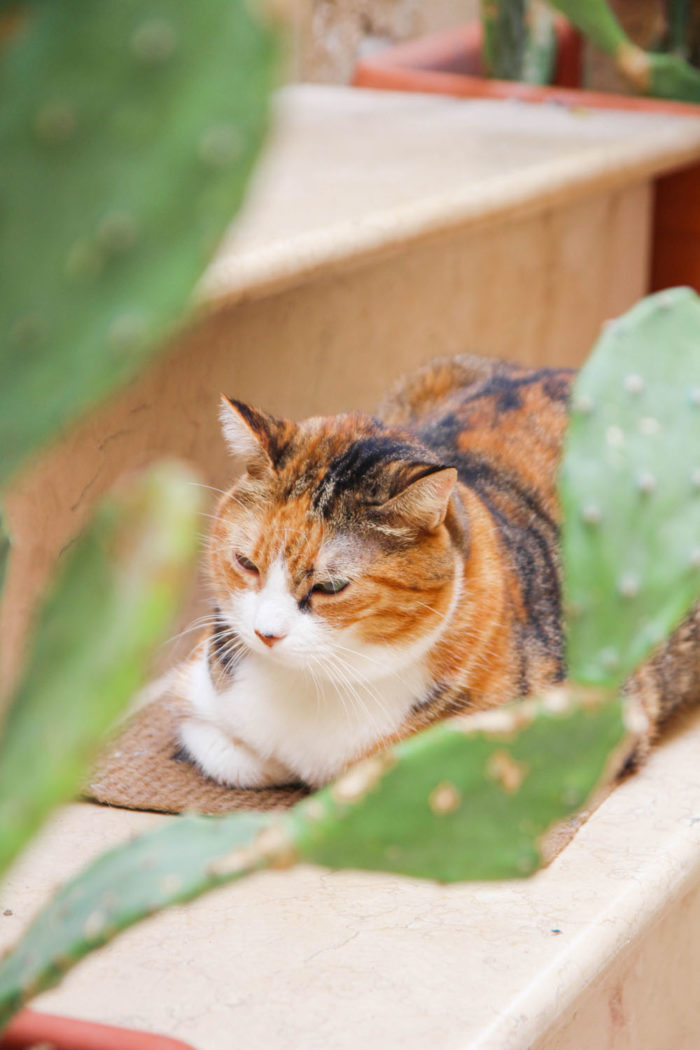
(362, 466)
(506, 390)
(225, 647)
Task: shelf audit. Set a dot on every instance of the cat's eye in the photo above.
(246, 563)
(333, 586)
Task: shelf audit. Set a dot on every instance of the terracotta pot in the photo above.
(30, 1029)
(449, 63)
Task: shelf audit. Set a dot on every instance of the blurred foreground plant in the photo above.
(127, 133)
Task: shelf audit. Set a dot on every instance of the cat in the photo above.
(373, 575)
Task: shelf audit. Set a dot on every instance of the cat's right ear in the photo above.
(253, 435)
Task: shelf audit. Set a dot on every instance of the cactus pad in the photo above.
(662, 76)
(465, 800)
(127, 135)
(458, 802)
(672, 77)
(114, 600)
(630, 488)
(166, 866)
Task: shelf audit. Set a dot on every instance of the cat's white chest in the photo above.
(297, 724)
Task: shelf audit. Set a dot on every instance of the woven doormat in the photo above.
(141, 769)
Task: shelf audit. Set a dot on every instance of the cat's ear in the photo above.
(252, 434)
(423, 503)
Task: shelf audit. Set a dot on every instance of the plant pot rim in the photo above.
(31, 1028)
(426, 65)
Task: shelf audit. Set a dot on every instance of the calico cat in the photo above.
(374, 575)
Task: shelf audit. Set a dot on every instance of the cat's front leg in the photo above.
(229, 761)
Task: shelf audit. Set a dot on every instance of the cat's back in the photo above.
(501, 425)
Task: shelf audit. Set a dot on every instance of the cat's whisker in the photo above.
(201, 624)
(442, 615)
(386, 673)
(203, 485)
(342, 673)
(317, 688)
(343, 699)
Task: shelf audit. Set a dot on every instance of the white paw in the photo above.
(229, 762)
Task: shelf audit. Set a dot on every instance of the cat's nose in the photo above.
(270, 639)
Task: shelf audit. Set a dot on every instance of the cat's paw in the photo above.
(229, 762)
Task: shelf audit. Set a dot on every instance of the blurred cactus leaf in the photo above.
(453, 803)
(662, 76)
(630, 488)
(458, 802)
(670, 76)
(114, 600)
(167, 866)
(596, 20)
(127, 132)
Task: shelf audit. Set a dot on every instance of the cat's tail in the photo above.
(670, 679)
(419, 392)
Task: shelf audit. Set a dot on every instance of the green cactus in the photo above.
(630, 488)
(168, 866)
(454, 803)
(460, 802)
(664, 76)
(127, 133)
(519, 41)
(114, 600)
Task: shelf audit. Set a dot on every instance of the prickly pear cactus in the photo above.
(463, 802)
(457, 802)
(168, 866)
(127, 133)
(663, 76)
(630, 488)
(113, 602)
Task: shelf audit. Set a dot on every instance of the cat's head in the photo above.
(335, 550)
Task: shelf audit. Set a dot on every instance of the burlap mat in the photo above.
(141, 769)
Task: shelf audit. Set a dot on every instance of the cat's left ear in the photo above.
(423, 503)
(252, 434)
